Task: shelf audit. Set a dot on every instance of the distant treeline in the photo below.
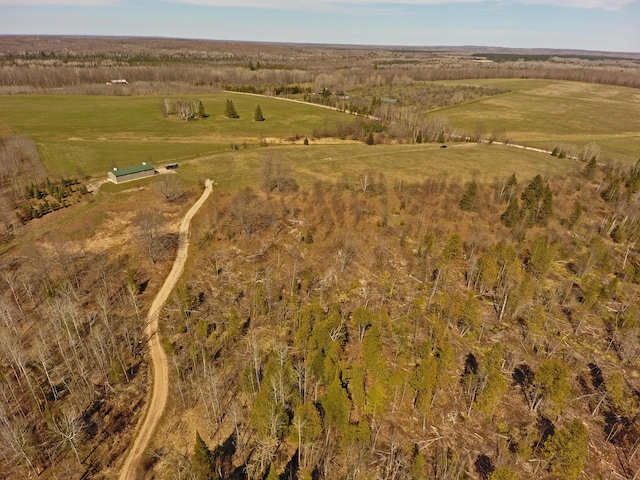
(153, 80)
(162, 66)
(545, 57)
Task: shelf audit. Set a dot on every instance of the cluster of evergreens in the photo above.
(50, 197)
(535, 205)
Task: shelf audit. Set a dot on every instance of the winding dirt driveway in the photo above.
(160, 387)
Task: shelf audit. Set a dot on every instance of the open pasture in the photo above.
(546, 113)
(398, 163)
(88, 135)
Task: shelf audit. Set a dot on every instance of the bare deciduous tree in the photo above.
(150, 233)
(365, 181)
(170, 188)
(66, 427)
(277, 176)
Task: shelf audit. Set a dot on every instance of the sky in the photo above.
(604, 25)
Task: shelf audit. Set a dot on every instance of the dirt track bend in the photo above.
(160, 389)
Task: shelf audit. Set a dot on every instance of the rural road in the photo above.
(160, 388)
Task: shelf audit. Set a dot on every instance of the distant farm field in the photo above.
(88, 135)
(545, 113)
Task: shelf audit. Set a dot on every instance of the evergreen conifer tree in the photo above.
(201, 461)
(590, 168)
(272, 475)
(469, 200)
(503, 473)
(336, 404)
(370, 139)
(546, 206)
(576, 213)
(258, 117)
(537, 203)
(230, 110)
(567, 450)
(512, 214)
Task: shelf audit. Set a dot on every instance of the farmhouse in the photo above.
(120, 175)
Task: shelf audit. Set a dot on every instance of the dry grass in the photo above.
(544, 113)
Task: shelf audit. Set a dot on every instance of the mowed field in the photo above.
(86, 136)
(545, 113)
(398, 163)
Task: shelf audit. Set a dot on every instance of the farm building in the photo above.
(119, 175)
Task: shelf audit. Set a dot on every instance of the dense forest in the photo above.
(156, 65)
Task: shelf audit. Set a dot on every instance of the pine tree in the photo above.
(201, 461)
(469, 314)
(257, 116)
(612, 192)
(418, 467)
(370, 139)
(546, 206)
(590, 169)
(552, 384)
(336, 404)
(567, 450)
(423, 381)
(272, 475)
(200, 109)
(503, 473)
(537, 203)
(576, 213)
(469, 200)
(230, 110)
(453, 248)
(512, 214)
(530, 199)
(494, 385)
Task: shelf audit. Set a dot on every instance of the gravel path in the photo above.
(160, 388)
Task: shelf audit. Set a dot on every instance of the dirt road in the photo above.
(160, 389)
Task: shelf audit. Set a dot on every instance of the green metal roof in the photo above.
(121, 172)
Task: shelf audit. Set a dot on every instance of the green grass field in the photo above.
(88, 135)
(406, 163)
